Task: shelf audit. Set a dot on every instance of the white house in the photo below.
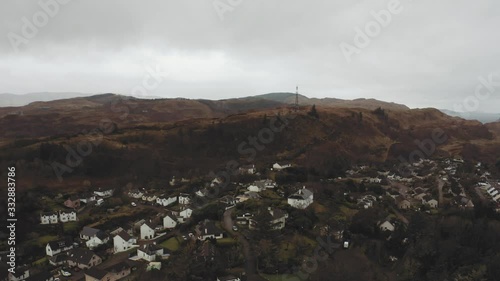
(88, 232)
(123, 242)
(207, 229)
(260, 185)
(185, 214)
(301, 199)
(429, 201)
(55, 247)
(99, 239)
(165, 201)
(87, 198)
(386, 226)
(66, 216)
(248, 169)
(147, 231)
(49, 218)
(104, 192)
(169, 222)
(277, 166)
(149, 252)
(19, 274)
(136, 194)
(184, 199)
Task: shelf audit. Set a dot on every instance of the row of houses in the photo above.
(56, 217)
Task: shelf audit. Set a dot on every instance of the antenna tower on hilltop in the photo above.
(296, 105)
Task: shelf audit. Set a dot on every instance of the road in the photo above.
(250, 267)
(440, 189)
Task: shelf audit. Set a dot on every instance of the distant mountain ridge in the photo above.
(231, 105)
(482, 117)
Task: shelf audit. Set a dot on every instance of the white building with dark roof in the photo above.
(301, 199)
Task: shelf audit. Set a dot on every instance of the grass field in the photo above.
(226, 241)
(171, 244)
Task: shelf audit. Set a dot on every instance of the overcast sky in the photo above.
(430, 53)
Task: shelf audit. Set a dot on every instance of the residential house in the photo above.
(374, 180)
(104, 192)
(19, 274)
(49, 218)
(463, 202)
(277, 222)
(202, 192)
(186, 213)
(149, 252)
(95, 274)
(169, 221)
(278, 218)
(228, 200)
(73, 202)
(184, 199)
(99, 239)
(247, 169)
(387, 226)
(277, 166)
(123, 242)
(429, 201)
(113, 273)
(137, 224)
(136, 194)
(83, 258)
(119, 271)
(301, 199)
(207, 229)
(88, 232)
(228, 278)
(147, 230)
(66, 216)
(165, 201)
(243, 219)
(55, 247)
(403, 203)
(87, 198)
(247, 196)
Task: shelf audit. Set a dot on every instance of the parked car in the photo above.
(235, 228)
(65, 272)
(133, 204)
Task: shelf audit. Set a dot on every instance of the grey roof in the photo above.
(119, 267)
(61, 243)
(89, 231)
(302, 193)
(124, 235)
(149, 249)
(278, 213)
(210, 228)
(80, 256)
(96, 273)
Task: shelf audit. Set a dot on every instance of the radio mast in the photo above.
(296, 106)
